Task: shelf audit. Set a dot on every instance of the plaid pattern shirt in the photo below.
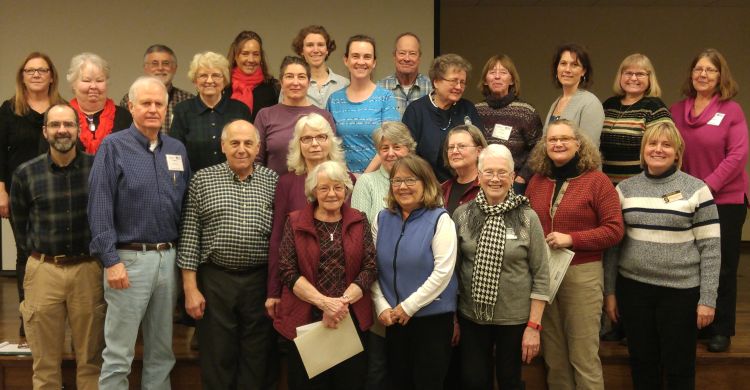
(176, 95)
(48, 203)
(422, 87)
(227, 221)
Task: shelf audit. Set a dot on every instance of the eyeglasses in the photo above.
(638, 75)
(206, 76)
(409, 181)
(460, 147)
(498, 72)
(489, 175)
(455, 82)
(308, 139)
(709, 71)
(562, 140)
(31, 71)
(156, 64)
(58, 124)
(323, 190)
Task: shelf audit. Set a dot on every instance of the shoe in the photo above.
(719, 343)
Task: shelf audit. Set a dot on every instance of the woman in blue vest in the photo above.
(415, 296)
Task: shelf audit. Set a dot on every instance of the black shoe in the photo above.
(719, 343)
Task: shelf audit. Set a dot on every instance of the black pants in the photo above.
(21, 259)
(347, 375)
(237, 340)
(731, 219)
(419, 352)
(478, 342)
(661, 324)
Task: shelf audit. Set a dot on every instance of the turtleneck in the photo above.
(497, 103)
(564, 172)
(667, 173)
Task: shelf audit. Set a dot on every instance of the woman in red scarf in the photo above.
(98, 115)
(251, 82)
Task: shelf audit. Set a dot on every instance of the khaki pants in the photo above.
(54, 293)
(570, 338)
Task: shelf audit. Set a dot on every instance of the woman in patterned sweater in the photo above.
(627, 115)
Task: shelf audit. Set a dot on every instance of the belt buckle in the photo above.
(56, 259)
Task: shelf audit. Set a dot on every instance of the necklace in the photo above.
(329, 232)
(90, 120)
(620, 115)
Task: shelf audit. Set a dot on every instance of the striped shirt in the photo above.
(622, 133)
(227, 221)
(48, 203)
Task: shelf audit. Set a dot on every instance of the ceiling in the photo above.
(601, 3)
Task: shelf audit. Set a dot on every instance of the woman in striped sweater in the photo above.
(663, 278)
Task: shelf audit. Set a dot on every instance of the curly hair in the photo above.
(294, 160)
(299, 40)
(590, 158)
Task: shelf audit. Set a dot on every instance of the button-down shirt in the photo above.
(422, 86)
(48, 203)
(176, 95)
(227, 221)
(318, 93)
(136, 194)
(199, 128)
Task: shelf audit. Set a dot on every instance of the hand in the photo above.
(330, 322)
(386, 317)
(529, 345)
(195, 303)
(336, 308)
(4, 204)
(456, 332)
(520, 180)
(610, 306)
(117, 276)
(705, 316)
(271, 306)
(557, 240)
(399, 315)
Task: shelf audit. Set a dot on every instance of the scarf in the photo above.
(501, 102)
(92, 139)
(488, 261)
(243, 85)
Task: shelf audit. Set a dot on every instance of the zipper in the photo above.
(395, 255)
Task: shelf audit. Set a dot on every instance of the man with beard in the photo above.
(48, 201)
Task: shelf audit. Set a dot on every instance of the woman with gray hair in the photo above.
(393, 141)
(313, 143)
(197, 122)
(98, 115)
(462, 147)
(429, 118)
(327, 266)
(503, 277)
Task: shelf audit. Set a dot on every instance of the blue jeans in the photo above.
(149, 300)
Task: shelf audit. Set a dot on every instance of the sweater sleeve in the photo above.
(707, 237)
(612, 258)
(592, 118)
(281, 210)
(444, 250)
(531, 137)
(378, 298)
(610, 228)
(262, 157)
(538, 262)
(736, 152)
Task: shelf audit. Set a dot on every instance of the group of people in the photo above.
(424, 218)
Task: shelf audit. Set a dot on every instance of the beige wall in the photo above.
(121, 31)
(670, 36)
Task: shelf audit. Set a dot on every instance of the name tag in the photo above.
(510, 234)
(716, 120)
(672, 197)
(501, 131)
(174, 163)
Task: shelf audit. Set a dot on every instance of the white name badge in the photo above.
(174, 162)
(716, 120)
(510, 234)
(501, 131)
(672, 197)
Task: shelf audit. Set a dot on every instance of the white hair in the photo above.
(142, 82)
(334, 170)
(496, 150)
(78, 62)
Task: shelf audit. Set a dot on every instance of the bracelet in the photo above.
(534, 325)
(345, 297)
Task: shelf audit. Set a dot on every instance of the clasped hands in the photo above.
(389, 317)
(334, 310)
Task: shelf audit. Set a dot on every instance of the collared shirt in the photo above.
(199, 128)
(227, 221)
(176, 95)
(422, 86)
(48, 203)
(136, 194)
(318, 94)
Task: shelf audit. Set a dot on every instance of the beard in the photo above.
(62, 144)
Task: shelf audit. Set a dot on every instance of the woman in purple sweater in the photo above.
(716, 148)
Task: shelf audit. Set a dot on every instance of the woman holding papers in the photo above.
(326, 266)
(579, 210)
(664, 275)
(415, 296)
(504, 277)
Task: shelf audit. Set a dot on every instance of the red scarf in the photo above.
(91, 139)
(243, 85)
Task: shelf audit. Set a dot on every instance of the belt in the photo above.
(61, 259)
(238, 271)
(142, 246)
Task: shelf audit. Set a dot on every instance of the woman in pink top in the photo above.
(716, 148)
